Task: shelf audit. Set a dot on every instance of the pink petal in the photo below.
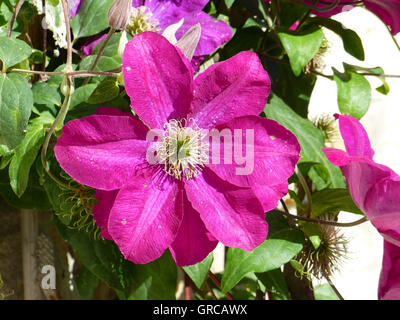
(145, 218)
(232, 214)
(389, 282)
(269, 196)
(193, 242)
(102, 209)
(382, 206)
(236, 87)
(336, 156)
(269, 155)
(361, 176)
(214, 33)
(103, 152)
(355, 137)
(158, 79)
(92, 43)
(388, 11)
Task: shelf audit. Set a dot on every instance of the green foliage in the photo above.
(199, 272)
(282, 244)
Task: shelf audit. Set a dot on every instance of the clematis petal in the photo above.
(168, 12)
(261, 152)
(158, 79)
(193, 242)
(389, 281)
(145, 218)
(388, 11)
(336, 156)
(92, 43)
(232, 214)
(382, 206)
(366, 172)
(102, 209)
(236, 87)
(355, 137)
(103, 152)
(214, 33)
(269, 196)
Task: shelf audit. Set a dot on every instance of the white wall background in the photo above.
(359, 276)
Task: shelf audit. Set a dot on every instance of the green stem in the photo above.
(306, 189)
(60, 118)
(101, 50)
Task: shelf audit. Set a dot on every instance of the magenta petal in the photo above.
(263, 152)
(389, 281)
(158, 79)
(168, 12)
(145, 219)
(388, 11)
(232, 214)
(236, 87)
(355, 137)
(103, 152)
(336, 156)
(269, 196)
(102, 209)
(89, 45)
(214, 33)
(193, 242)
(382, 206)
(361, 176)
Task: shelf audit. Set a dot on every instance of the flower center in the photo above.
(142, 20)
(183, 149)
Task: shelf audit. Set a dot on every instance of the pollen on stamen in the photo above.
(183, 149)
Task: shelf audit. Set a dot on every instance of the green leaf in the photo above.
(155, 280)
(45, 94)
(229, 3)
(353, 93)
(34, 198)
(16, 104)
(351, 41)
(104, 64)
(199, 272)
(81, 94)
(384, 88)
(333, 200)
(279, 248)
(106, 91)
(86, 283)
(91, 18)
(310, 138)
(324, 292)
(25, 155)
(13, 51)
(275, 282)
(301, 47)
(100, 257)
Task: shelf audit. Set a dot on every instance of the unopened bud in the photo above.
(119, 14)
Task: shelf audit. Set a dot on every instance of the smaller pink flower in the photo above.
(374, 188)
(389, 281)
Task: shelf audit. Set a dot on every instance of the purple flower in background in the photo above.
(374, 188)
(389, 281)
(187, 202)
(157, 15)
(73, 7)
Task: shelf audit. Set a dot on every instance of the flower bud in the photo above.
(119, 14)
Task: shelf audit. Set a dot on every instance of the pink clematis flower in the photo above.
(375, 188)
(387, 10)
(190, 202)
(389, 282)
